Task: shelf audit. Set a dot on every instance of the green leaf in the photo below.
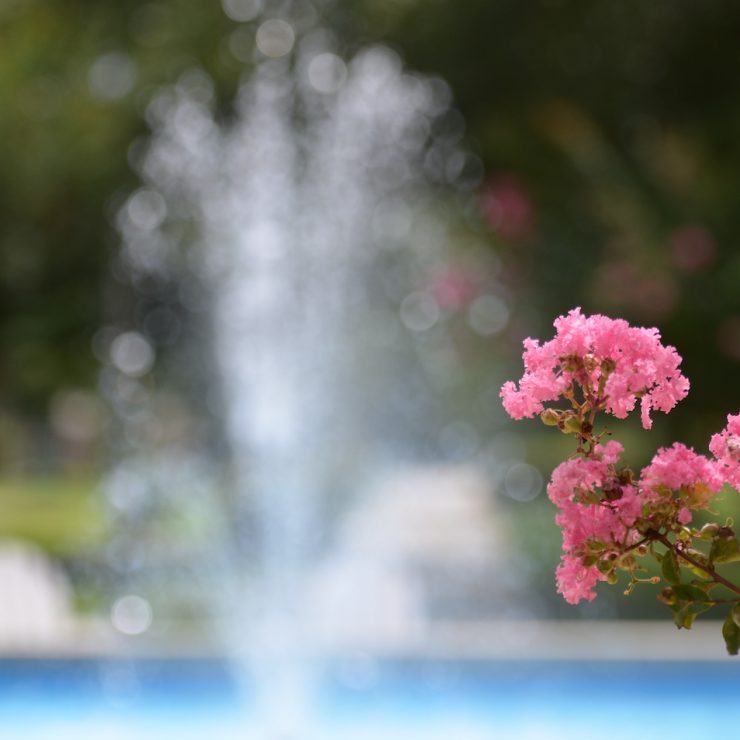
(686, 592)
(683, 616)
(695, 569)
(735, 614)
(670, 568)
(731, 633)
(724, 550)
(698, 609)
(705, 586)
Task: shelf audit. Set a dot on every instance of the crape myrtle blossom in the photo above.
(679, 468)
(611, 361)
(611, 518)
(603, 511)
(575, 580)
(725, 446)
(598, 506)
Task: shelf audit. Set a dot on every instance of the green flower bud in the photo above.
(550, 417)
(605, 566)
(570, 425)
(709, 531)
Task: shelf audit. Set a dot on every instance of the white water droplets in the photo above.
(242, 10)
(131, 615)
(327, 72)
(275, 38)
(132, 354)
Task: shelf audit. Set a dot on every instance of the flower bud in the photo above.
(667, 596)
(569, 363)
(608, 366)
(550, 417)
(626, 476)
(605, 566)
(570, 425)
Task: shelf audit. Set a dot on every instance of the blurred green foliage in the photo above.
(64, 137)
(611, 124)
(62, 515)
(617, 121)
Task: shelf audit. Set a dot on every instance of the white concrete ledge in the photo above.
(576, 640)
(484, 641)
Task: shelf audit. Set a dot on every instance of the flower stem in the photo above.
(716, 577)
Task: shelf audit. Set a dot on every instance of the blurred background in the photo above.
(575, 154)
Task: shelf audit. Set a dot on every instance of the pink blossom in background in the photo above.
(620, 283)
(508, 209)
(728, 337)
(453, 287)
(642, 365)
(692, 248)
(725, 446)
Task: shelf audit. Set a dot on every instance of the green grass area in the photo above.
(63, 515)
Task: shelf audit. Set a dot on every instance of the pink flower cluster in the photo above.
(634, 361)
(607, 517)
(576, 488)
(679, 468)
(599, 509)
(725, 446)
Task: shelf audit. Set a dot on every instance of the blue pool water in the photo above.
(364, 700)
